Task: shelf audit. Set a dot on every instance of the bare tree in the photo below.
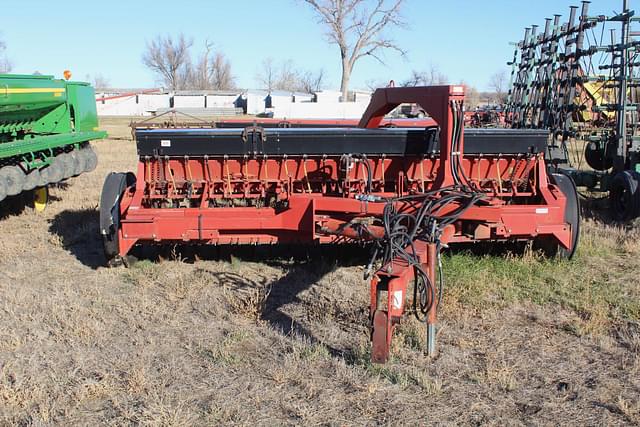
(5, 64)
(197, 76)
(357, 30)
(498, 83)
(432, 76)
(221, 77)
(168, 59)
(267, 76)
(471, 97)
(373, 84)
(273, 76)
(99, 81)
(286, 76)
(310, 82)
(211, 71)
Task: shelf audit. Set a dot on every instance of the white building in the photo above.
(202, 103)
(328, 96)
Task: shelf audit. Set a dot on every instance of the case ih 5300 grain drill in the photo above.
(406, 191)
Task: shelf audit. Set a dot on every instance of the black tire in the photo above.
(67, 163)
(45, 177)
(624, 196)
(79, 162)
(13, 179)
(91, 159)
(550, 245)
(32, 179)
(114, 186)
(596, 157)
(3, 191)
(55, 173)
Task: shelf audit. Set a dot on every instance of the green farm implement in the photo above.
(45, 128)
(581, 81)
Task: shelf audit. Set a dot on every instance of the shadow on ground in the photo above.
(79, 234)
(16, 205)
(270, 300)
(304, 266)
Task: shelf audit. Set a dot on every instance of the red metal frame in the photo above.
(401, 122)
(242, 200)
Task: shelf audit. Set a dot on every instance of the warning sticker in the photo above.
(397, 299)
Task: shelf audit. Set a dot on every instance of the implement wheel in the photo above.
(13, 178)
(90, 158)
(624, 196)
(596, 157)
(549, 245)
(3, 191)
(40, 198)
(114, 187)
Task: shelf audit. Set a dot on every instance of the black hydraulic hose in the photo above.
(369, 176)
(457, 160)
(363, 159)
(413, 217)
(421, 304)
(456, 179)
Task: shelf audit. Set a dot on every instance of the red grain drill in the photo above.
(408, 191)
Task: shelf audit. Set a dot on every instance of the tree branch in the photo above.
(357, 30)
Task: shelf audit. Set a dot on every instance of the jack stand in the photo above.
(431, 339)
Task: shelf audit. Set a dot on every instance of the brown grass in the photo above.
(246, 338)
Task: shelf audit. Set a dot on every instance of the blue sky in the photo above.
(466, 39)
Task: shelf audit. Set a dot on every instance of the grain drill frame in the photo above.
(406, 191)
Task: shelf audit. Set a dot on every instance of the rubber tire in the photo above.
(91, 159)
(32, 178)
(67, 163)
(114, 186)
(79, 162)
(596, 157)
(3, 191)
(550, 245)
(571, 212)
(624, 196)
(45, 177)
(55, 173)
(13, 179)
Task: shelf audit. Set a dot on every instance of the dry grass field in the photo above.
(264, 337)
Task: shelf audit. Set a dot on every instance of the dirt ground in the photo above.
(279, 337)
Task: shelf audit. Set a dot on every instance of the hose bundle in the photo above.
(424, 216)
